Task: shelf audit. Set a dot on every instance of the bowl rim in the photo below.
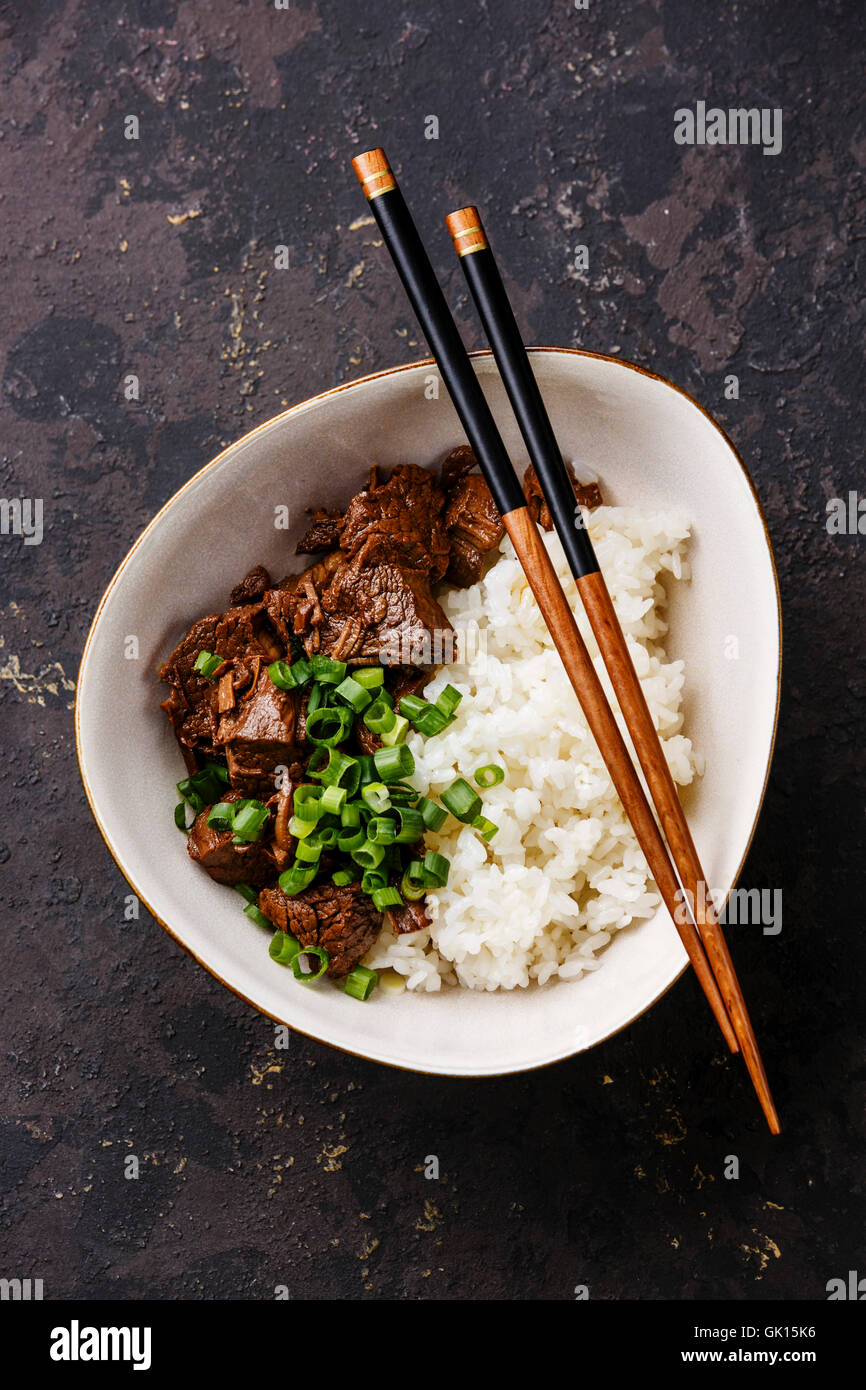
(482, 353)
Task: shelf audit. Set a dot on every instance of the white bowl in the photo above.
(650, 444)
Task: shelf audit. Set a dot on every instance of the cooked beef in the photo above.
(474, 527)
(323, 533)
(259, 735)
(406, 680)
(399, 522)
(225, 861)
(586, 494)
(281, 803)
(412, 916)
(361, 613)
(192, 703)
(252, 587)
(341, 920)
(457, 464)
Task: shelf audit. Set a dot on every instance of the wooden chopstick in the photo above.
(419, 280)
(491, 299)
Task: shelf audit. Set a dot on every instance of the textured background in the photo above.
(156, 257)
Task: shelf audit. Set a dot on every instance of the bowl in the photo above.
(649, 443)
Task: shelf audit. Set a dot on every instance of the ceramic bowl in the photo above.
(650, 444)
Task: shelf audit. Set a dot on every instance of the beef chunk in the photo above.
(341, 920)
(586, 494)
(225, 861)
(323, 533)
(412, 916)
(474, 527)
(399, 522)
(457, 464)
(259, 735)
(362, 613)
(191, 705)
(252, 587)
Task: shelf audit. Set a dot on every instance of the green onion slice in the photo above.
(380, 717)
(328, 725)
(486, 828)
(333, 800)
(313, 953)
(396, 734)
(371, 677)
(355, 695)
(328, 671)
(489, 776)
(376, 796)
(296, 879)
(180, 817)
(368, 855)
(283, 948)
(433, 816)
(437, 867)
(350, 816)
(373, 879)
(258, 917)
(343, 877)
(249, 820)
(448, 700)
(392, 764)
(382, 830)
(383, 898)
(361, 982)
(461, 800)
(411, 825)
(206, 663)
(222, 813)
(247, 892)
(282, 675)
(413, 885)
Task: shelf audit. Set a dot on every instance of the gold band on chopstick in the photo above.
(466, 230)
(374, 173)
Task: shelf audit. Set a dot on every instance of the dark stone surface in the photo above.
(606, 1170)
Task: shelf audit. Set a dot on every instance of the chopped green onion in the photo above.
(282, 675)
(413, 885)
(309, 850)
(369, 676)
(350, 816)
(327, 836)
(411, 825)
(376, 796)
(382, 830)
(383, 898)
(448, 700)
(305, 791)
(394, 763)
(368, 769)
(395, 735)
(328, 671)
(361, 982)
(307, 977)
(368, 855)
(249, 820)
(247, 892)
(301, 828)
(461, 800)
(339, 770)
(258, 917)
(190, 794)
(333, 800)
(328, 725)
(432, 721)
(343, 877)
(283, 948)
(433, 816)
(351, 838)
(222, 813)
(489, 776)
(437, 867)
(208, 662)
(412, 706)
(302, 671)
(180, 817)
(296, 879)
(372, 879)
(307, 810)
(380, 717)
(316, 697)
(354, 694)
(486, 828)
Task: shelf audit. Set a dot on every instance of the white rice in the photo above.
(564, 872)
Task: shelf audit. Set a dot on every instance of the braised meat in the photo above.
(341, 920)
(399, 522)
(226, 862)
(455, 465)
(474, 527)
(323, 533)
(585, 494)
(192, 702)
(412, 916)
(252, 587)
(259, 735)
(360, 612)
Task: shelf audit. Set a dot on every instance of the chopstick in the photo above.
(419, 280)
(491, 300)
